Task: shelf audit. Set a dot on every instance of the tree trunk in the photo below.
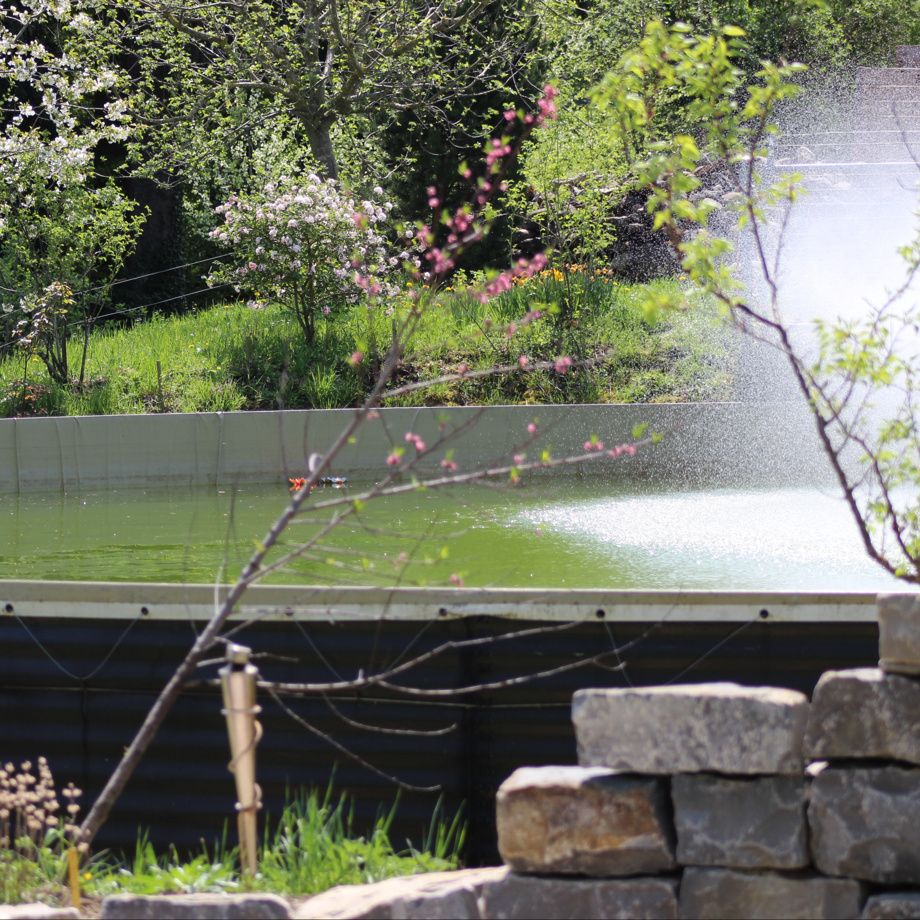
(321, 147)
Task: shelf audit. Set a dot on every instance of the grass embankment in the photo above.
(231, 357)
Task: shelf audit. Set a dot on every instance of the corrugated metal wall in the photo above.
(183, 793)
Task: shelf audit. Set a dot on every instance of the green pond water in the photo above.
(578, 532)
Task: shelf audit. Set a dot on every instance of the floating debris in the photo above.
(334, 482)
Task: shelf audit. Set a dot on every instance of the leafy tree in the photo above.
(576, 165)
(430, 147)
(59, 227)
(229, 67)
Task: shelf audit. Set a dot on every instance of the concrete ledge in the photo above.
(160, 602)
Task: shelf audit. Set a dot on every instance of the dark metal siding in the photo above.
(183, 793)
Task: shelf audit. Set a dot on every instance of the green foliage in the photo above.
(313, 847)
(620, 356)
(575, 169)
(785, 30)
(64, 236)
(423, 148)
(42, 331)
(873, 28)
(732, 119)
(571, 171)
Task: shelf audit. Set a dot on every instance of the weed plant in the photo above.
(35, 832)
(313, 847)
(232, 357)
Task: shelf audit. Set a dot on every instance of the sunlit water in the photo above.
(577, 533)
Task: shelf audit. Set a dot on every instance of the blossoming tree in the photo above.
(309, 246)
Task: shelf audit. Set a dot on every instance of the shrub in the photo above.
(301, 245)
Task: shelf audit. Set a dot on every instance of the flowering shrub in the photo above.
(302, 245)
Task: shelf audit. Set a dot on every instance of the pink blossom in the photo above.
(510, 115)
(449, 464)
(356, 357)
(563, 364)
(518, 458)
(455, 579)
(532, 428)
(523, 360)
(546, 105)
(589, 445)
(462, 369)
(393, 459)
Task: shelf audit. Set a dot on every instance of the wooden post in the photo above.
(160, 386)
(238, 685)
(73, 871)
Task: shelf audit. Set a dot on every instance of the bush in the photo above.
(301, 246)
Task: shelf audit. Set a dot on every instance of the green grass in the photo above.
(231, 357)
(314, 846)
(621, 355)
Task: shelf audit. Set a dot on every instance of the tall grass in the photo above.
(314, 846)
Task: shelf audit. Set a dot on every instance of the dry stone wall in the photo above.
(750, 802)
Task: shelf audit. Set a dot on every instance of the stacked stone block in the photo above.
(864, 739)
(702, 787)
(717, 800)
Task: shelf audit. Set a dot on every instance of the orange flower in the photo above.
(297, 484)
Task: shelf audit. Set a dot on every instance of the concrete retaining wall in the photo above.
(753, 443)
